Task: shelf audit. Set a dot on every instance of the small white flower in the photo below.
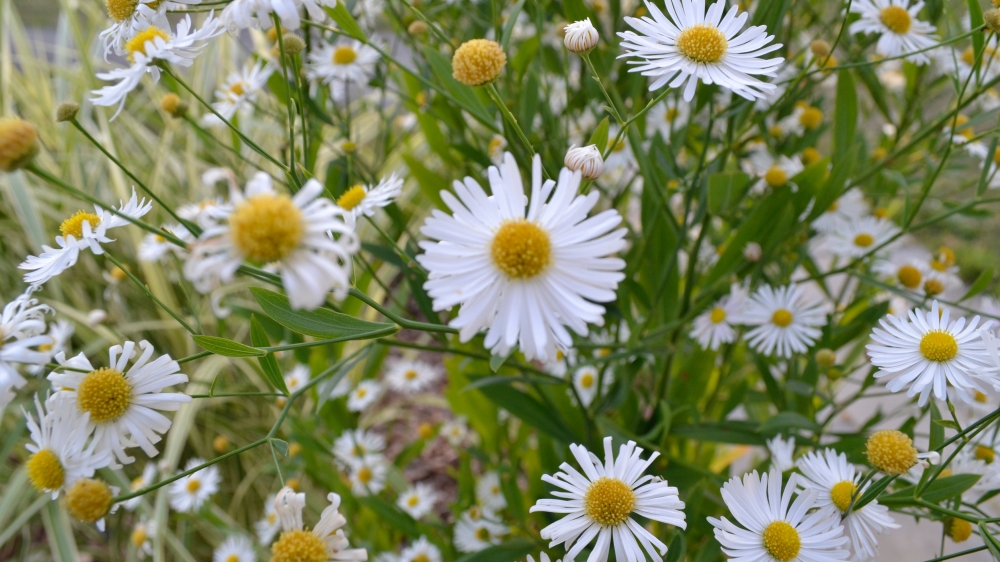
(488, 492)
(142, 537)
(714, 327)
(581, 37)
(849, 206)
(896, 24)
(418, 500)
(244, 14)
(861, 236)
(668, 117)
(328, 533)
(773, 172)
(268, 525)
(129, 17)
(61, 451)
(297, 378)
(496, 149)
(586, 380)
(156, 248)
(455, 431)
(367, 476)
(236, 548)
(21, 325)
(785, 321)
(365, 199)
(782, 453)
(478, 529)
(189, 493)
(585, 159)
(147, 477)
(239, 91)
(752, 252)
(411, 377)
(338, 64)
(354, 445)
(364, 395)
(420, 550)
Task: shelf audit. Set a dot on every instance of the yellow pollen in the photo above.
(293, 483)
(969, 56)
(410, 375)
(947, 256)
(362, 392)
(670, 114)
(945, 473)
(193, 485)
(958, 530)
(496, 143)
(89, 500)
(811, 118)
(996, 156)
(299, 546)
(364, 475)
(421, 558)
(18, 143)
(45, 471)
(775, 130)
(985, 454)
(137, 44)
(909, 276)
(344, 54)
(776, 177)
(841, 494)
(617, 147)
(238, 89)
(121, 10)
(137, 483)
(608, 501)
(587, 380)
(896, 18)
(478, 62)
(413, 501)
(864, 240)
(521, 249)
(483, 534)
(73, 226)
(117, 274)
(232, 558)
(933, 287)
(266, 227)
(891, 451)
(352, 197)
(425, 430)
(272, 518)
(833, 208)
(781, 317)
(105, 394)
(717, 315)
(702, 43)
(810, 156)
(938, 265)
(980, 397)
(45, 347)
(782, 541)
(938, 346)
(139, 536)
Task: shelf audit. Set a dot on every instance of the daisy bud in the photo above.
(18, 143)
(174, 105)
(820, 48)
(586, 160)
(66, 111)
(581, 37)
(293, 44)
(992, 19)
(826, 357)
(891, 451)
(478, 62)
(220, 444)
(89, 500)
(418, 27)
(958, 530)
(752, 252)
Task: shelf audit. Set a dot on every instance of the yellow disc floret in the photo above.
(958, 530)
(45, 471)
(938, 345)
(841, 494)
(89, 500)
(776, 177)
(266, 227)
(137, 44)
(811, 117)
(781, 317)
(608, 501)
(73, 226)
(909, 276)
(352, 197)
(864, 240)
(587, 380)
(344, 54)
(105, 394)
(985, 454)
(891, 451)
(193, 485)
(782, 541)
(896, 18)
(717, 315)
(703, 43)
(139, 536)
(299, 546)
(121, 10)
(933, 287)
(478, 62)
(521, 249)
(18, 143)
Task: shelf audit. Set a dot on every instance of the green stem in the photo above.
(145, 289)
(408, 324)
(491, 89)
(597, 78)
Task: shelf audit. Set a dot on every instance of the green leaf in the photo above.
(600, 136)
(759, 225)
(508, 28)
(991, 542)
(430, 182)
(726, 190)
(393, 517)
(985, 176)
(575, 10)
(937, 430)
(675, 553)
(732, 431)
(530, 411)
(280, 446)
(980, 284)
(272, 373)
(227, 348)
(504, 552)
(497, 361)
(480, 382)
(320, 323)
(938, 490)
(873, 492)
(947, 423)
(464, 95)
(787, 420)
(346, 22)
(845, 116)
(976, 22)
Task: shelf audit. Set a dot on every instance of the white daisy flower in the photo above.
(189, 493)
(239, 91)
(496, 149)
(782, 453)
(861, 236)
(849, 206)
(964, 135)
(21, 325)
(542, 557)
(130, 17)
(147, 477)
(904, 268)
(147, 48)
(122, 400)
(478, 529)
(81, 231)
(668, 117)
(928, 353)
(354, 445)
(327, 534)
(364, 199)
(488, 491)
(586, 380)
(836, 484)
(418, 500)
(771, 529)
(695, 44)
(455, 431)
(364, 395)
(297, 377)
(342, 388)
(348, 61)
(599, 503)
(558, 365)
(156, 248)
(420, 550)
(523, 276)
(367, 476)
(896, 24)
(411, 377)
(60, 452)
(291, 234)
(785, 320)
(773, 172)
(236, 548)
(268, 525)
(803, 117)
(244, 14)
(714, 327)
(977, 459)
(142, 537)
(60, 332)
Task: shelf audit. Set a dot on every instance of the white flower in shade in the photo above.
(267, 527)
(896, 24)
(600, 502)
(337, 64)
(908, 268)
(773, 528)
(149, 47)
(862, 236)
(558, 366)
(21, 325)
(189, 493)
(848, 207)
(496, 149)
(773, 172)
(244, 14)
(784, 320)
(156, 248)
(836, 484)
(963, 135)
(410, 377)
(122, 400)
(236, 548)
(782, 453)
(585, 159)
(365, 199)
(522, 274)
(147, 477)
(142, 537)
(367, 476)
(478, 529)
(298, 377)
(81, 231)
(239, 91)
(977, 459)
(60, 452)
(695, 44)
(455, 431)
(354, 445)
(752, 252)
(326, 536)
(291, 234)
(60, 333)
(418, 500)
(364, 395)
(589, 382)
(420, 550)
(668, 117)
(489, 494)
(130, 17)
(928, 353)
(580, 37)
(714, 327)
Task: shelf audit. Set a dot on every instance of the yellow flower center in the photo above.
(811, 118)
(670, 114)
(938, 265)
(18, 143)
(266, 227)
(959, 530)
(938, 346)
(410, 375)
(238, 89)
(121, 10)
(139, 536)
(810, 156)
(945, 473)
(421, 558)
(364, 475)
(137, 483)
(969, 56)
(587, 380)
(934, 287)
(344, 54)
(775, 130)
(609, 501)
(105, 394)
(775, 177)
(73, 226)
(352, 198)
(782, 541)
(483, 534)
(89, 500)
(864, 240)
(193, 485)
(909, 276)
(996, 156)
(521, 249)
(45, 347)
(985, 454)
(478, 62)
(362, 392)
(413, 501)
(702, 43)
(891, 451)
(299, 546)
(781, 317)
(232, 558)
(717, 315)
(137, 44)
(841, 494)
(272, 518)
(896, 18)
(45, 471)
(980, 397)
